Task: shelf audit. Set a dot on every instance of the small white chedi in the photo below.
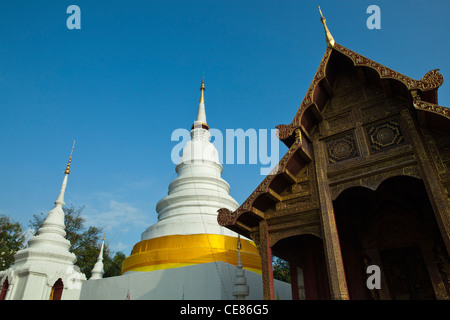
(46, 268)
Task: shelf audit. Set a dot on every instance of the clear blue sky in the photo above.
(131, 76)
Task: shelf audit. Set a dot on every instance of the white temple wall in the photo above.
(209, 281)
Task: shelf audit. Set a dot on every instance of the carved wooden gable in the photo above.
(361, 115)
(360, 118)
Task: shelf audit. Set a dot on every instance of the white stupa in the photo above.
(46, 268)
(240, 288)
(98, 271)
(187, 232)
(187, 254)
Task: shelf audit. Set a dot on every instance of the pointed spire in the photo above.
(329, 37)
(202, 89)
(60, 200)
(240, 288)
(200, 121)
(70, 158)
(97, 271)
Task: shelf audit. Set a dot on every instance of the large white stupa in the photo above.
(187, 232)
(187, 254)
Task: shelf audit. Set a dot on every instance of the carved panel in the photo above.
(384, 135)
(342, 148)
(293, 206)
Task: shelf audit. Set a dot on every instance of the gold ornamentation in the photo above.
(385, 135)
(328, 36)
(432, 79)
(202, 89)
(67, 171)
(284, 131)
(182, 250)
(225, 217)
(430, 107)
(342, 148)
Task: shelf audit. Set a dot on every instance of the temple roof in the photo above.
(422, 94)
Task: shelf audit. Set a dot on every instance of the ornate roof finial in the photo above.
(70, 158)
(329, 37)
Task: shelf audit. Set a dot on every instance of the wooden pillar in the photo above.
(333, 256)
(439, 286)
(430, 178)
(294, 281)
(266, 260)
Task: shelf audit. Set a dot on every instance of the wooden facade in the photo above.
(365, 182)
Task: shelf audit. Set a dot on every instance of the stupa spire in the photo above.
(60, 200)
(328, 36)
(202, 89)
(200, 121)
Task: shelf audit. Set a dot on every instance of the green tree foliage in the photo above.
(281, 270)
(11, 240)
(113, 266)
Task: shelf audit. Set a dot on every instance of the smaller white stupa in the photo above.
(46, 268)
(240, 288)
(98, 271)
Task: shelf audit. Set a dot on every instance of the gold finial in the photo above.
(329, 37)
(202, 88)
(70, 159)
(104, 234)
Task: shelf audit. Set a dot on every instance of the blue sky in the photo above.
(131, 75)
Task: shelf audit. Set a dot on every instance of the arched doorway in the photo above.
(57, 290)
(306, 258)
(5, 287)
(393, 227)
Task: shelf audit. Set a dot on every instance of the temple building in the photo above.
(365, 182)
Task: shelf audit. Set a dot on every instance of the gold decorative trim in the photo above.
(181, 250)
(431, 107)
(430, 81)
